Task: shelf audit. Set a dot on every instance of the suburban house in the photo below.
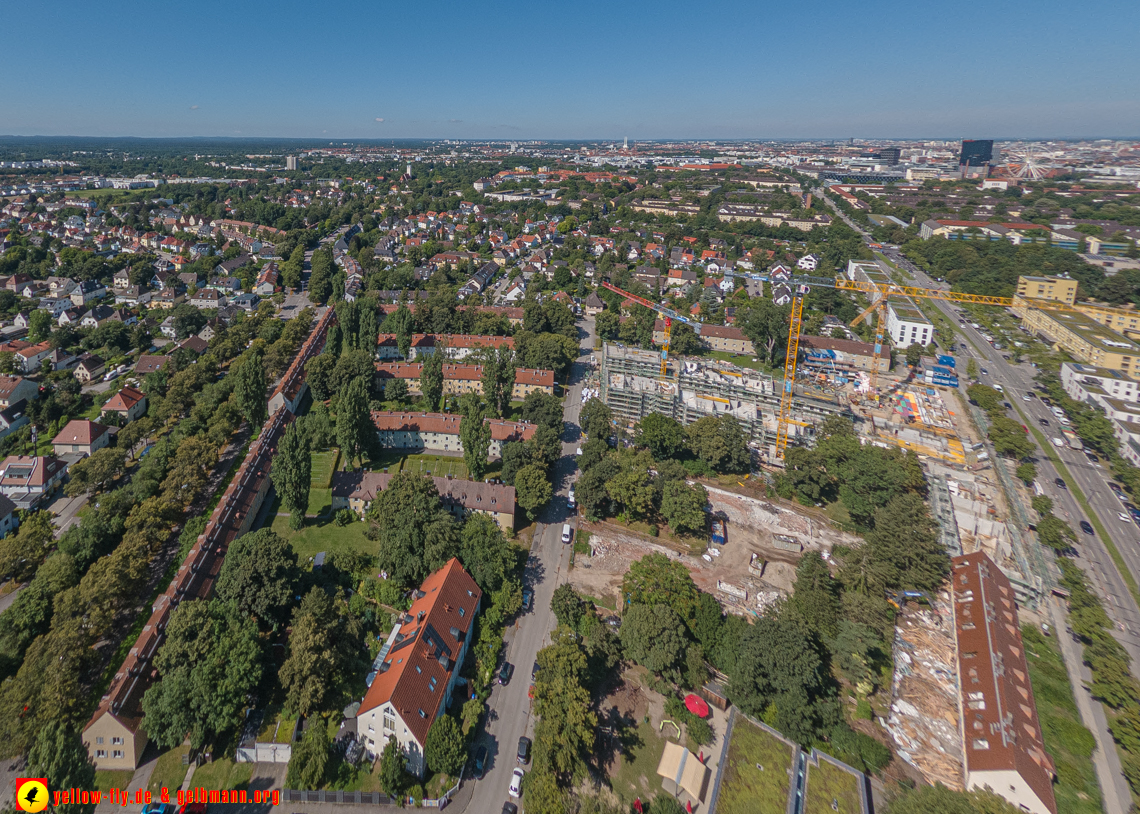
(594, 304)
(357, 490)
(207, 298)
(128, 404)
(16, 388)
(87, 291)
(26, 480)
(30, 357)
(9, 519)
(82, 436)
(418, 666)
(90, 367)
(440, 431)
(13, 417)
(149, 363)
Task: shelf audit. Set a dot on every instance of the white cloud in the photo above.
(193, 107)
(379, 119)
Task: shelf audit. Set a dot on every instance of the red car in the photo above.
(193, 808)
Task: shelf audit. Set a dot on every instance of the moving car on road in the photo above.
(1085, 527)
(1123, 517)
(505, 673)
(1060, 483)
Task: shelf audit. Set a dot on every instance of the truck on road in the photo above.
(1071, 437)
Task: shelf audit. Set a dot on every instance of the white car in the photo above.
(1026, 398)
(1058, 442)
(1123, 517)
(515, 789)
(570, 499)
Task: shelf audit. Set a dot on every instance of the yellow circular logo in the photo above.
(32, 795)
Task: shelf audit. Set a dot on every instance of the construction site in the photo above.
(633, 386)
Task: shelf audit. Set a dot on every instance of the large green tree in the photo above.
(683, 506)
(431, 379)
(416, 534)
(595, 419)
(291, 473)
(209, 664)
(309, 760)
(720, 443)
(533, 489)
(259, 577)
(662, 435)
(354, 427)
(326, 649)
(249, 386)
(475, 435)
(654, 637)
(59, 755)
(486, 554)
(445, 748)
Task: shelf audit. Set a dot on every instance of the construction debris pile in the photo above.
(924, 711)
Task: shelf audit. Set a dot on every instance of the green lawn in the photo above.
(169, 771)
(1066, 740)
(827, 784)
(740, 360)
(744, 788)
(320, 501)
(324, 535)
(223, 773)
(113, 779)
(637, 774)
(437, 466)
(324, 464)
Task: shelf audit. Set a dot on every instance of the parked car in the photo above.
(160, 808)
(1085, 527)
(524, 750)
(509, 808)
(515, 789)
(505, 673)
(1058, 442)
(1123, 517)
(527, 599)
(480, 762)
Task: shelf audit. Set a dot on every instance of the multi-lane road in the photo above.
(509, 707)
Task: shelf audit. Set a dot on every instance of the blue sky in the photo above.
(582, 70)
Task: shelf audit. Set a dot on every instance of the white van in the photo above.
(1057, 411)
(567, 533)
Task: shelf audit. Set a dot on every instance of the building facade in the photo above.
(357, 490)
(439, 432)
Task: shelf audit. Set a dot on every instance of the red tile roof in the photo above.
(999, 716)
(124, 400)
(80, 431)
(449, 424)
(426, 647)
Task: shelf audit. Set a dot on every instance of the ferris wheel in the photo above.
(1028, 163)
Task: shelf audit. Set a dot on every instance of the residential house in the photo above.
(128, 404)
(809, 262)
(121, 280)
(70, 316)
(168, 298)
(13, 417)
(267, 281)
(594, 304)
(149, 363)
(439, 432)
(17, 388)
(27, 480)
(716, 337)
(99, 315)
(419, 665)
(87, 291)
(194, 343)
(81, 436)
(207, 298)
(9, 518)
(90, 368)
(133, 295)
(246, 301)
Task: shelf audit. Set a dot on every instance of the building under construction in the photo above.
(633, 387)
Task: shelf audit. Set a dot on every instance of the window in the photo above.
(117, 753)
(463, 611)
(419, 669)
(117, 741)
(981, 743)
(99, 740)
(100, 752)
(432, 684)
(389, 723)
(423, 714)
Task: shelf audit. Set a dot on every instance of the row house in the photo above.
(459, 378)
(455, 346)
(439, 432)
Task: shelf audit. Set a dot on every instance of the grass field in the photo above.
(637, 774)
(223, 773)
(169, 771)
(324, 464)
(827, 784)
(324, 535)
(438, 466)
(1066, 740)
(745, 789)
(112, 779)
(740, 360)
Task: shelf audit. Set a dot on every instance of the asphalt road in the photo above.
(509, 716)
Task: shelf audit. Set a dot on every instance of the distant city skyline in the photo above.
(733, 70)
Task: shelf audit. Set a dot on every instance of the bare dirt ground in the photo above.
(752, 525)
